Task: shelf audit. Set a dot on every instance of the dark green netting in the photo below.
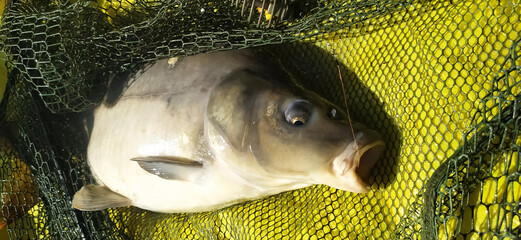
(439, 80)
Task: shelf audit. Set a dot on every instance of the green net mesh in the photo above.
(439, 80)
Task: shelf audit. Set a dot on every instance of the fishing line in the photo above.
(347, 111)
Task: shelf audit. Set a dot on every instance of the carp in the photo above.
(202, 132)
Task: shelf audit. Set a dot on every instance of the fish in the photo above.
(202, 132)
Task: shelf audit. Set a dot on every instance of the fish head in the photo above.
(286, 132)
(305, 135)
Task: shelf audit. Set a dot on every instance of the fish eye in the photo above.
(298, 112)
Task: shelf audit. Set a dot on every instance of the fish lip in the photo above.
(356, 153)
(366, 157)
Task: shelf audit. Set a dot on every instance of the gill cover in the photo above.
(230, 112)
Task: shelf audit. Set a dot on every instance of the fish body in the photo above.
(203, 132)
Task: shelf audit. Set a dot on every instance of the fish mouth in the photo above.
(354, 165)
(365, 159)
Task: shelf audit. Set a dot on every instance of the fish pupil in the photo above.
(298, 123)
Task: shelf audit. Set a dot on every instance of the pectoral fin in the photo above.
(96, 197)
(173, 168)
